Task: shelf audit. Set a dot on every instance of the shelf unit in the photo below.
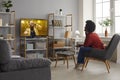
(8, 29)
(58, 26)
(34, 47)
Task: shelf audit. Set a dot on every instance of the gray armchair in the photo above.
(22, 68)
(103, 55)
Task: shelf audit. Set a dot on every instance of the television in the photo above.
(40, 27)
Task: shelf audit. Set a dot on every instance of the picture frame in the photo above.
(69, 20)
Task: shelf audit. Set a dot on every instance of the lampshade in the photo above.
(77, 34)
(67, 34)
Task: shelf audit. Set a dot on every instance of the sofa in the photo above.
(22, 68)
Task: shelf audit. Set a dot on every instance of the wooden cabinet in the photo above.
(60, 32)
(34, 47)
(7, 28)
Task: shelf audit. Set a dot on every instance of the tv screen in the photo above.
(33, 27)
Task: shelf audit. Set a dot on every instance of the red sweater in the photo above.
(93, 40)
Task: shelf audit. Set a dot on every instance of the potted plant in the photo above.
(105, 23)
(7, 5)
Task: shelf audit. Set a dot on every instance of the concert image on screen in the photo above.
(33, 27)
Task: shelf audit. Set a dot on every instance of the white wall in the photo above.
(85, 13)
(41, 8)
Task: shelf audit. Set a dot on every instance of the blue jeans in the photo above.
(80, 58)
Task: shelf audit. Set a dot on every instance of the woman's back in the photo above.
(93, 40)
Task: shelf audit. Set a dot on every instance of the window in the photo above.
(107, 9)
(117, 16)
(102, 12)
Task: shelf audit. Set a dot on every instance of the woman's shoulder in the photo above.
(93, 34)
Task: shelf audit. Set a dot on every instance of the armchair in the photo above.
(22, 68)
(103, 55)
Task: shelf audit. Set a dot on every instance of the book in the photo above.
(0, 22)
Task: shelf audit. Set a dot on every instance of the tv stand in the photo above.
(33, 47)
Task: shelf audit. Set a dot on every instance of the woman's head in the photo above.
(90, 26)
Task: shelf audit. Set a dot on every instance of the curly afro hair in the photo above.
(90, 26)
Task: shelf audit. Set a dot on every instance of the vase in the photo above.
(7, 10)
(60, 11)
(106, 32)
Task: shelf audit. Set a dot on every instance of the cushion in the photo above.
(67, 53)
(25, 63)
(4, 52)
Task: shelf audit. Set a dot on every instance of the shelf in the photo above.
(36, 49)
(8, 29)
(57, 15)
(9, 39)
(15, 56)
(37, 38)
(5, 13)
(34, 45)
(60, 38)
(57, 29)
(65, 47)
(9, 26)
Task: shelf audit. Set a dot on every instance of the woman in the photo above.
(92, 40)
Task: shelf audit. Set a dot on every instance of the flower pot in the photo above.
(7, 10)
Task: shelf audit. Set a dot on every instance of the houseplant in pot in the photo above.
(7, 5)
(105, 23)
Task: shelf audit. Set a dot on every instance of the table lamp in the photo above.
(77, 34)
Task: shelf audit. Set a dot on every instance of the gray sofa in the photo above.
(22, 68)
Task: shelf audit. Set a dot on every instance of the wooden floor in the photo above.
(94, 71)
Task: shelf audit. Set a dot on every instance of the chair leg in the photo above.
(87, 59)
(67, 62)
(83, 67)
(107, 66)
(108, 63)
(85, 64)
(56, 61)
(64, 61)
(74, 59)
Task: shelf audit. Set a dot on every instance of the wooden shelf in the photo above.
(34, 45)
(8, 28)
(57, 29)
(35, 49)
